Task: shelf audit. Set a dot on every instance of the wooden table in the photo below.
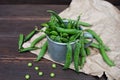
(16, 19)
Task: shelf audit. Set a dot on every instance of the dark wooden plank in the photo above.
(9, 49)
(58, 2)
(12, 28)
(29, 10)
(35, 2)
(16, 70)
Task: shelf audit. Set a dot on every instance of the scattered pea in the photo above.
(53, 65)
(36, 68)
(27, 76)
(30, 64)
(40, 73)
(52, 75)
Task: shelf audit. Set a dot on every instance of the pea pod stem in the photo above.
(105, 56)
(37, 40)
(68, 56)
(42, 51)
(21, 40)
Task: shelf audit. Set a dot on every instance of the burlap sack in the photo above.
(105, 19)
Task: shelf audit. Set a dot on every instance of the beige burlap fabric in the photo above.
(105, 19)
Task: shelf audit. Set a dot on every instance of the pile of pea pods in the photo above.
(67, 31)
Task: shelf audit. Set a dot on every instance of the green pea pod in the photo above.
(21, 40)
(64, 40)
(77, 23)
(30, 34)
(83, 53)
(76, 56)
(68, 56)
(47, 31)
(58, 39)
(74, 37)
(82, 61)
(84, 24)
(94, 34)
(68, 31)
(28, 49)
(105, 56)
(65, 35)
(57, 17)
(69, 26)
(87, 51)
(45, 25)
(95, 45)
(53, 37)
(42, 51)
(37, 40)
(54, 33)
(52, 26)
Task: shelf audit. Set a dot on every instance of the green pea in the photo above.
(52, 75)
(29, 64)
(40, 73)
(53, 65)
(27, 76)
(36, 68)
